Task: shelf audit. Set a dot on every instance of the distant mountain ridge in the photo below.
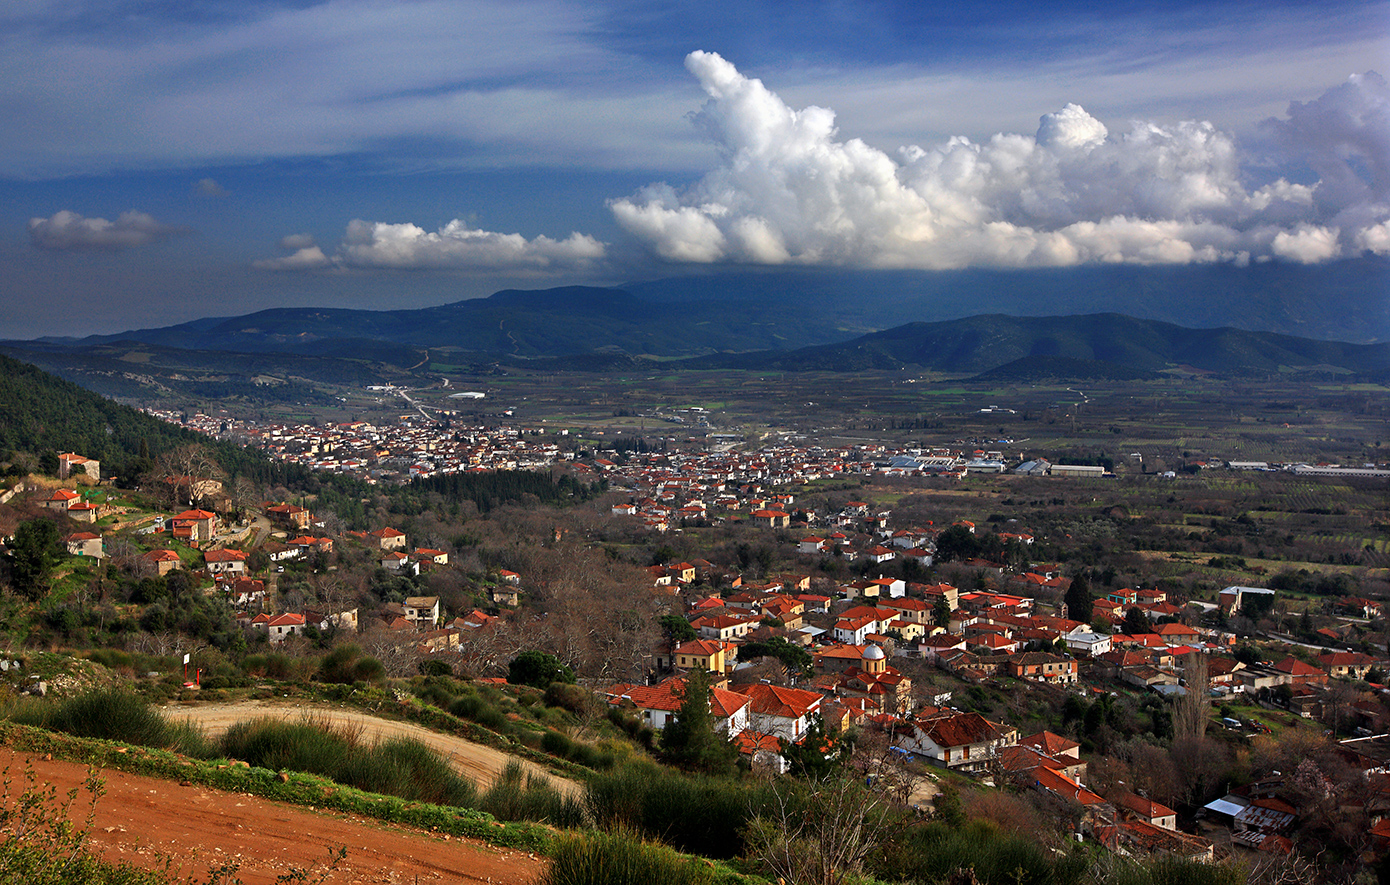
(1072, 345)
(791, 309)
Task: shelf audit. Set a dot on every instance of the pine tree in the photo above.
(690, 741)
(33, 554)
(1079, 600)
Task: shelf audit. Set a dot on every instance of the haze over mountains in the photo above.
(1134, 321)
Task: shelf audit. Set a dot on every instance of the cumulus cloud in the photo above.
(456, 245)
(790, 190)
(69, 231)
(208, 187)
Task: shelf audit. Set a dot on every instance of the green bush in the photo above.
(474, 708)
(700, 814)
(517, 795)
(621, 859)
(116, 715)
(401, 767)
(557, 744)
(575, 698)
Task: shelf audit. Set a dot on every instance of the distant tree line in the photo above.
(491, 489)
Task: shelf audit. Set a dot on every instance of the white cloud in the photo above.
(309, 257)
(67, 230)
(1307, 244)
(789, 189)
(209, 187)
(456, 246)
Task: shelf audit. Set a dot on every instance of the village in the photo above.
(795, 655)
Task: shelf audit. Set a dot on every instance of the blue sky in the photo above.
(164, 161)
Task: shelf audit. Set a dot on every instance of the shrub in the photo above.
(699, 814)
(537, 669)
(480, 711)
(517, 795)
(116, 715)
(621, 859)
(574, 698)
(401, 767)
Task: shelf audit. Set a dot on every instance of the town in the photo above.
(809, 606)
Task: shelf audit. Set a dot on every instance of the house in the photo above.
(1233, 599)
(960, 741)
(84, 544)
(1062, 750)
(68, 463)
(783, 712)
(775, 519)
(1092, 645)
(85, 511)
(325, 619)
(1037, 666)
(704, 654)
(506, 596)
(289, 516)
(422, 611)
(61, 499)
(658, 704)
(387, 539)
(164, 561)
(281, 627)
(244, 591)
(1150, 812)
(431, 556)
(225, 562)
(1346, 664)
(195, 526)
(811, 545)
(723, 627)
(397, 561)
(1299, 672)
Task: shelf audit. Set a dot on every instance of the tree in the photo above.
(537, 669)
(821, 836)
(941, 612)
(1136, 622)
(690, 741)
(1193, 710)
(33, 554)
(957, 542)
(677, 629)
(816, 755)
(1078, 599)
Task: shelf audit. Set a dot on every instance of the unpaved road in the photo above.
(145, 821)
(479, 763)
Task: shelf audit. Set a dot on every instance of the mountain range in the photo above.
(1144, 321)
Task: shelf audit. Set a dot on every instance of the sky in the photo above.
(174, 159)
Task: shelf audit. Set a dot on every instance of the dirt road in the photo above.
(479, 763)
(144, 820)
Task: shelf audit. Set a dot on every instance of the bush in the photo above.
(401, 767)
(116, 715)
(699, 814)
(574, 698)
(621, 859)
(476, 709)
(538, 670)
(517, 795)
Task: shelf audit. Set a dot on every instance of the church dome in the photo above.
(874, 653)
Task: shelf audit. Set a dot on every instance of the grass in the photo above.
(620, 858)
(113, 715)
(401, 767)
(516, 795)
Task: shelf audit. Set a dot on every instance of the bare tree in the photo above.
(187, 475)
(818, 837)
(1193, 709)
